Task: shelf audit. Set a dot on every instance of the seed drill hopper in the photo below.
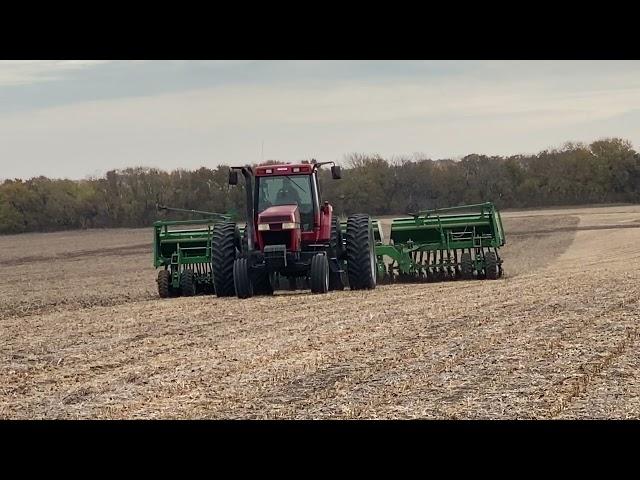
(182, 248)
(443, 244)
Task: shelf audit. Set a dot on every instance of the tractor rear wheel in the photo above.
(466, 266)
(361, 259)
(241, 278)
(319, 273)
(491, 265)
(164, 283)
(187, 283)
(223, 252)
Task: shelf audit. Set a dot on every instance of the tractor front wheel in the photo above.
(241, 278)
(319, 274)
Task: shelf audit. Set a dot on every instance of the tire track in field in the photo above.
(334, 348)
(280, 325)
(592, 371)
(235, 371)
(389, 384)
(573, 229)
(493, 338)
(30, 308)
(398, 351)
(123, 251)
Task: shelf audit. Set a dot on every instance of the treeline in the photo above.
(605, 171)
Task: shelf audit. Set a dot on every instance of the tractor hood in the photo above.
(280, 213)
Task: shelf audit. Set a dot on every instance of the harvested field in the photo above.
(84, 335)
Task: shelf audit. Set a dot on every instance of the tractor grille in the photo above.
(276, 218)
(277, 238)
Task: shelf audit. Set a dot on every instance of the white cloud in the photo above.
(251, 106)
(441, 116)
(23, 72)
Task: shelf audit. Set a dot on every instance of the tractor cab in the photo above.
(286, 203)
(281, 189)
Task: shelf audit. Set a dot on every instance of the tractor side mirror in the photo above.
(233, 177)
(335, 172)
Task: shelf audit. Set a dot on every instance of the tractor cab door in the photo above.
(323, 213)
(315, 187)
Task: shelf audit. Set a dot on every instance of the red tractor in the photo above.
(291, 235)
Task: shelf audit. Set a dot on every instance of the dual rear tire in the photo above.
(361, 258)
(224, 247)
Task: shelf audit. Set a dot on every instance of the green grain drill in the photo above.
(183, 250)
(443, 244)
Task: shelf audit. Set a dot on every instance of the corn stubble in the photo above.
(85, 336)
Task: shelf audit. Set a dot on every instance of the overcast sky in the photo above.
(78, 118)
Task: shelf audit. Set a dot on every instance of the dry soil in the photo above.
(83, 334)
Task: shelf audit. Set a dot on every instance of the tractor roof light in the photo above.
(289, 226)
(263, 226)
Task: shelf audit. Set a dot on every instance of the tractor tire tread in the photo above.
(164, 283)
(319, 272)
(466, 266)
(491, 266)
(223, 254)
(359, 237)
(241, 278)
(187, 283)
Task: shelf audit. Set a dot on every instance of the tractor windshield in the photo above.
(287, 190)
